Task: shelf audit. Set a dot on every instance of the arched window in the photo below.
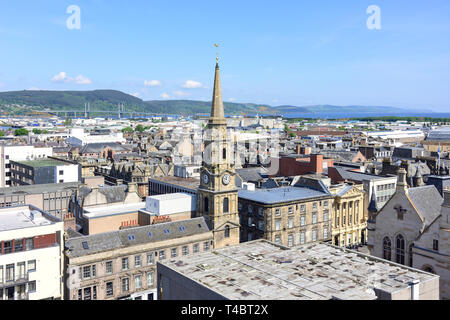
(400, 249)
(206, 204)
(428, 268)
(410, 254)
(225, 205)
(387, 248)
(227, 231)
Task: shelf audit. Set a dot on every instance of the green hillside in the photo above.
(20, 102)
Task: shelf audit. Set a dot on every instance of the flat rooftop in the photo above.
(261, 270)
(38, 188)
(13, 218)
(189, 183)
(111, 210)
(280, 195)
(171, 196)
(43, 163)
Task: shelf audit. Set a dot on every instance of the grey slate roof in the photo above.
(252, 174)
(114, 193)
(120, 239)
(280, 195)
(356, 176)
(427, 200)
(98, 147)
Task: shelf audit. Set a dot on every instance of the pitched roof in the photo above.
(100, 146)
(107, 241)
(427, 200)
(252, 174)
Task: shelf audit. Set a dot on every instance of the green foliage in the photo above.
(127, 129)
(2, 133)
(21, 132)
(292, 134)
(139, 128)
(39, 131)
(68, 122)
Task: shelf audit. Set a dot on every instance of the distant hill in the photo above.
(109, 100)
(72, 100)
(193, 107)
(21, 102)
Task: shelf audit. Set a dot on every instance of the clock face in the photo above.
(226, 179)
(205, 178)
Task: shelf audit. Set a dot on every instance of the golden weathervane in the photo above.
(217, 52)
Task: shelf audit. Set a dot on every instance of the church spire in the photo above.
(217, 112)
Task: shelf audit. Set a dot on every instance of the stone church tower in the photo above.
(217, 195)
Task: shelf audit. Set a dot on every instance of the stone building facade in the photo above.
(348, 221)
(121, 265)
(431, 251)
(287, 215)
(395, 227)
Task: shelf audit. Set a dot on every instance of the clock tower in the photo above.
(217, 195)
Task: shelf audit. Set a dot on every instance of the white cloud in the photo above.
(152, 83)
(34, 89)
(62, 77)
(191, 84)
(136, 94)
(181, 93)
(165, 95)
(82, 80)
(232, 99)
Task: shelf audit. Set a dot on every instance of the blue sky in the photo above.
(273, 52)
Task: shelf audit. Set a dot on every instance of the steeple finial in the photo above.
(217, 53)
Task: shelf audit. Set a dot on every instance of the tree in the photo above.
(139, 128)
(21, 132)
(37, 131)
(292, 134)
(68, 122)
(2, 133)
(127, 129)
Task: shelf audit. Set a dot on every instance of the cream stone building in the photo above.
(217, 194)
(349, 223)
(286, 215)
(431, 250)
(121, 264)
(394, 229)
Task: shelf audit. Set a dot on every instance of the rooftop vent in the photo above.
(85, 245)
